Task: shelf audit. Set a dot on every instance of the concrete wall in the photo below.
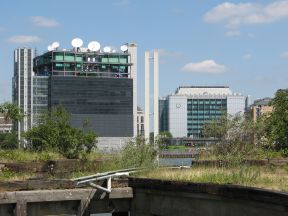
(159, 198)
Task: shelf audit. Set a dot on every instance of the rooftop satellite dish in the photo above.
(94, 46)
(124, 48)
(77, 42)
(107, 49)
(50, 48)
(55, 45)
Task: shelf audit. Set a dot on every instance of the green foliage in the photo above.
(21, 155)
(8, 141)
(278, 120)
(11, 111)
(137, 154)
(163, 139)
(55, 133)
(6, 173)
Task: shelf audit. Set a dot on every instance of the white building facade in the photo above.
(185, 113)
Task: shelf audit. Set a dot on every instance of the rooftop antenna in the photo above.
(107, 49)
(94, 46)
(55, 45)
(124, 48)
(77, 42)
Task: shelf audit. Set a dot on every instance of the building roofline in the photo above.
(203, 87)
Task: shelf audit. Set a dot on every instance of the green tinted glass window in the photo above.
(58, 57)
(123, 60)
(78, 58)
(113, 60)
(69, 57)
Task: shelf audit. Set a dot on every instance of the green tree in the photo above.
(277, 121)
(163, 139)
(11, 111)
(137, 154)
(8, 141)
(235, 134)
(55, 132)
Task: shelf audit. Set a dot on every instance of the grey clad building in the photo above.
(22, 87)
(185, 112)
(96, 86)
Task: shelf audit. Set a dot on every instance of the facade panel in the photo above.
(106, 103)
(177, 116)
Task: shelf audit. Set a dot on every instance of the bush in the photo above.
(55, 133)
(137, 154)
(8, 141)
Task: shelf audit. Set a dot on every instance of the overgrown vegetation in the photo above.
(19, 155)
(55, 133)
(137, 154)
(262, 177)
(242, 138)
(11, 111)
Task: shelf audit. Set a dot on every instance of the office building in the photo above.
(22, 87)
(185, 113)
(261, 107)
(95, 85)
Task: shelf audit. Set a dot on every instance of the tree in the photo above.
(234, 133)
(277, 121)
(11, 111)
(163, 139)
(8, 141)
(55, 132)
(137, 154)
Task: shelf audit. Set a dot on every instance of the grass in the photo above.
(19, 155)
(26, 156)
(275, 178)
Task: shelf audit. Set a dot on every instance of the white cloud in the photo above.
(233, 33)
(44, 21)
(247, 56)
(206, 66)
(24, 39)
(284, 54)
(233, 15)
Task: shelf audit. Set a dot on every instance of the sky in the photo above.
(241, 44)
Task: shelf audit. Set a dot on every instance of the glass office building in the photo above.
(186, 112)
(94, 86)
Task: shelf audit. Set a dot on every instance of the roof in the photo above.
(203, 90)
(262, 102)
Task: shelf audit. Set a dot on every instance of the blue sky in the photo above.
(242, 44)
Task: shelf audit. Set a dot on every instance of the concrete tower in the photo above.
(156, 94)
(147, 93)
(147, 96)
(132, 49)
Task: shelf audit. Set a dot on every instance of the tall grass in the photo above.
(262, 177)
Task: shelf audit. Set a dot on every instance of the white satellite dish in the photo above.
(55, 45)
(77, 42)
(50, 48)
(94, 46)
(124, 48)
(107, 49)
